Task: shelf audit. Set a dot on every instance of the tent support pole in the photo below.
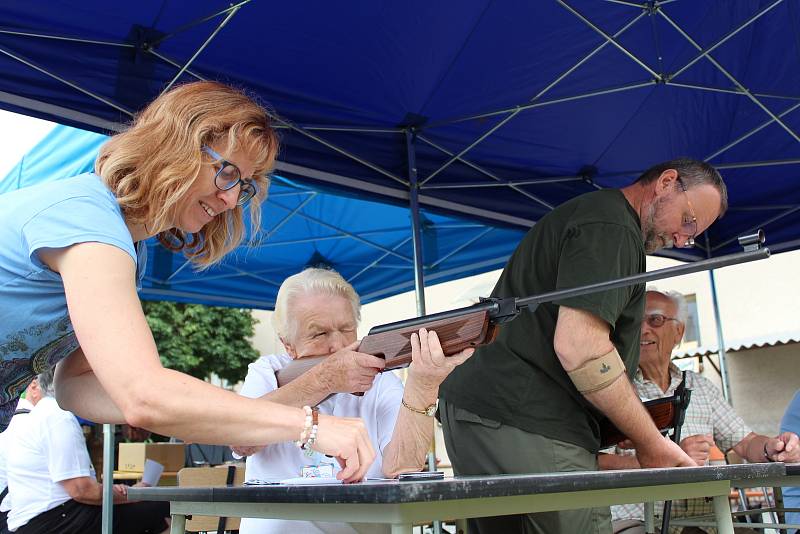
(723, 365)
(419, 280)
(108, 479)
(416, 232)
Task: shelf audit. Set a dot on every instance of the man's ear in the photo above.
(665, 183)
(681, 331)
(290, 350)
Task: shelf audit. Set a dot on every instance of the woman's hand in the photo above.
(346, 439)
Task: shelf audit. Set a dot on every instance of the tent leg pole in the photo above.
(723, 366)
(108, 479)
(419, 282)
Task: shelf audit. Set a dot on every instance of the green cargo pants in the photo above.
(480, 446)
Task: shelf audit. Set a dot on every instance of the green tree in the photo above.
(200, 340)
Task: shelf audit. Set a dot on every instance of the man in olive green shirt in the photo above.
(514, 406)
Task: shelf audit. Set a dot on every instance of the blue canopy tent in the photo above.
(494, 110)
(505, 108)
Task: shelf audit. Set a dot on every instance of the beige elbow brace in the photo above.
(598, 373)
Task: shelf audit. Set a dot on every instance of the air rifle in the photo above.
(478, 324)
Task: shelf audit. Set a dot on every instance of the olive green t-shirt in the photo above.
(518, 380)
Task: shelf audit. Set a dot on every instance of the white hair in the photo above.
(46, 382)
(311, 281)
(682, 311)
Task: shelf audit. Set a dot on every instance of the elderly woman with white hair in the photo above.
(317, 314)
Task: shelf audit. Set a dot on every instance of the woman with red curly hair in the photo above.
(73, 253)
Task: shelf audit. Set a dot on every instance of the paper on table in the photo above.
(311, 480)
(152, 472)
(296, 481)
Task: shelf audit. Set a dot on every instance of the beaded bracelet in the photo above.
(312, 437)
(307, 428)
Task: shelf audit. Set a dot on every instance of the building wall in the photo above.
(265, 340)
(763, 381)
(756, 299)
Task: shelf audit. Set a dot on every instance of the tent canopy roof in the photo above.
(513, 107)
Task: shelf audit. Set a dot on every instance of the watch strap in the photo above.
(428, 411)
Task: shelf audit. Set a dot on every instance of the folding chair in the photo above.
(224, 475)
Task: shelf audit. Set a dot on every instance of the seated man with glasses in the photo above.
(710, 420)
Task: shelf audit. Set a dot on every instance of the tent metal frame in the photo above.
(650, 9)
(412, 187)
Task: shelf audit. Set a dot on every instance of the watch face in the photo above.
(430, 411)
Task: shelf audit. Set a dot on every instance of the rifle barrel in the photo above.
(659, 274)
(531, 302)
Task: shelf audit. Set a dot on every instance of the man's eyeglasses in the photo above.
(689, 224)
(229, 176)
(657, 320)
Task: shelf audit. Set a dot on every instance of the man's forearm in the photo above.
(92, 494)
(582, 337)
(617, 461)
(86, 490)
(412, 435)
(620, 403)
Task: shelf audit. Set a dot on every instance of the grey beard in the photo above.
(653, 241)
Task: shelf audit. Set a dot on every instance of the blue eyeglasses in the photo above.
(229, 176)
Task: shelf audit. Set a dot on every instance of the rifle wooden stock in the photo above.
(662, 411)
(394, 346)
(666, 413)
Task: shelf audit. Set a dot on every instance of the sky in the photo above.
(18, 134)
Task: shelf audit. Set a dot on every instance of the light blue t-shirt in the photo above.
(35, 329)
(791, 423)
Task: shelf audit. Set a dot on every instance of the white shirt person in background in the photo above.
(317, 314)
(51, 482)
(33, 394)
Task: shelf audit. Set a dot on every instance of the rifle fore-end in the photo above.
(455, 335)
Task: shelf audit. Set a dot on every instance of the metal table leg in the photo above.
(178, 525)
(649, 517)
(722, 512)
